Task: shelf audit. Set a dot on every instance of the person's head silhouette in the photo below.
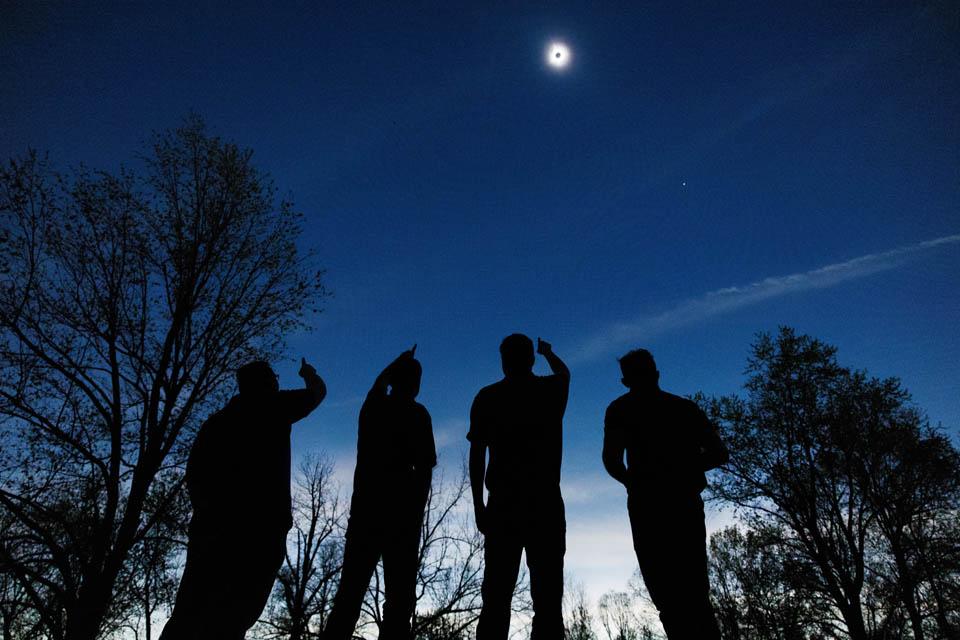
(405, 379)
(639, 371)
(257, 379)
(516, 355)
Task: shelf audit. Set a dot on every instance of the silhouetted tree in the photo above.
(448, 579)
(753, 589)
(818, 453)
(645, 611)
(451, 567)
(18, 616)
(152, 572)
(578, 621)
(307, 582)
(911, 477)
(939, 564)
(443, 629)
(126, 303)
(617, 616)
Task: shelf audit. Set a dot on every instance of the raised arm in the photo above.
(614, 448)
(379, 388)
(296, 404)
(557, 365)
(312, 382)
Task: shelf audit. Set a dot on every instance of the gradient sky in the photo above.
(701, 172)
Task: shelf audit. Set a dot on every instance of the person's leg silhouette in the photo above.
(225, 585)
(545, 550)
(670, 542)
(253, 580)
(501, 555)
(197, 579)
(690, 610)
(360, 555)
(401, 560)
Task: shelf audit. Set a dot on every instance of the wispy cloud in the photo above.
(600, 553)
(450, 432)
(731, 298)
(589, 489)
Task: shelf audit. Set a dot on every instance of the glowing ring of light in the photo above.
(558, 55)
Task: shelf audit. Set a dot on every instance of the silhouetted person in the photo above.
(519, 420)
(238, 478)
(395, 460)
(669, 444)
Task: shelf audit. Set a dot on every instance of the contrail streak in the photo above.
(731, 298)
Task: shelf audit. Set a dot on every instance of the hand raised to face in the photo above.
(391, 368)
(306, 369)
(406, 355)
(544, 347)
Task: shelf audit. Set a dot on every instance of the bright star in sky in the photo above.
(558, 55)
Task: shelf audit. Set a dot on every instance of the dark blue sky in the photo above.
(458, 190)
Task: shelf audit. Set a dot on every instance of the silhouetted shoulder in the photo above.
(619, 403)
(679, 402)
(486, 397)
(424, 416)
(480, 413)
(421, 419)
(488, 392)
(619, 414)
(212, 432)
(426, 449)
(210, 452)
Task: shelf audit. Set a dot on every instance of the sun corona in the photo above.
(558, 55)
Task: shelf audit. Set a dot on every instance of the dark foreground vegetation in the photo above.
(850, 503)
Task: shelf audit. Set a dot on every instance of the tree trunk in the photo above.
(85, 617)
(853, 617)
(908, 596)
(147, 610)
(300, 623)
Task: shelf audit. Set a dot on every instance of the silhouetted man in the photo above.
(669, 444)
(395, 460)
(238, 478)
(519, 420)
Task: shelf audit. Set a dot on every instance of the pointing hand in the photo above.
(544, 347)
(306, 369)
(406, 355)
